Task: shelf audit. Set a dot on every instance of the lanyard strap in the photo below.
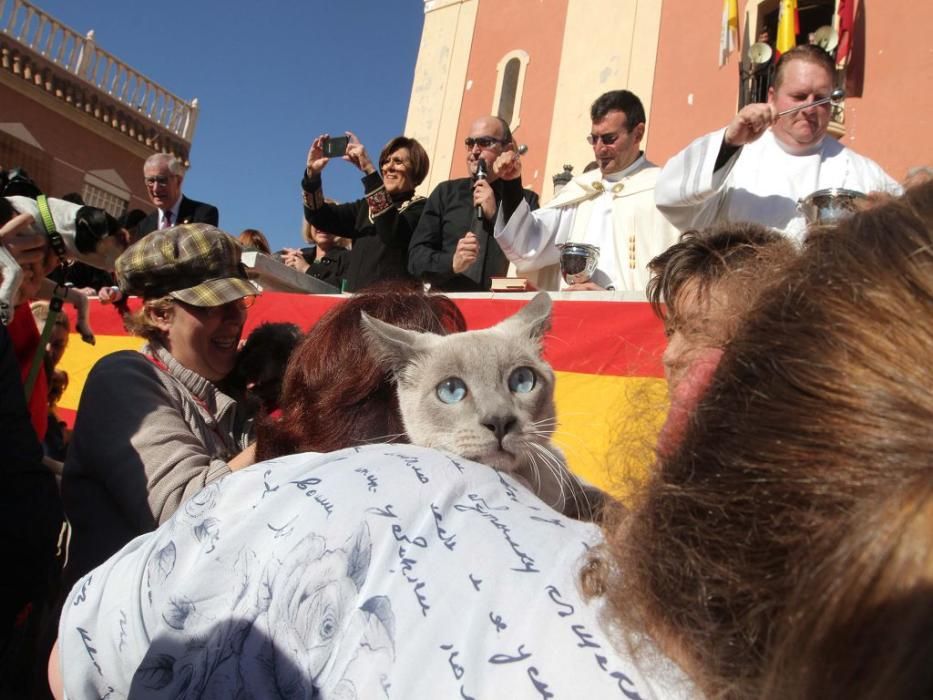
(55, 307)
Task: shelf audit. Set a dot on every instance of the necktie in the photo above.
(166, 219)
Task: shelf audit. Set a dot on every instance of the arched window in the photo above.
(510, 81)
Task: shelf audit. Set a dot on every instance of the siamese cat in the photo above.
(486, 395)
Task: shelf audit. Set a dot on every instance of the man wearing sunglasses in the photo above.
(453, 247)
(611, 207)
(164, 174)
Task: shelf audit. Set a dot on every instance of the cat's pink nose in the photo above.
(500, 425)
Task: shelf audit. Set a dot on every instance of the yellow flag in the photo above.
(729, 36)
(787, 26)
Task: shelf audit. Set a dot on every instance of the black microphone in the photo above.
(481, 174)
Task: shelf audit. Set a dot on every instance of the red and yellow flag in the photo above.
(788, 26)
(610, 393)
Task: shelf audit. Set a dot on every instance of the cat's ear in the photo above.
(394, 346)
(533, 320)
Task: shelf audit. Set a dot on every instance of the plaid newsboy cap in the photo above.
(194, 263)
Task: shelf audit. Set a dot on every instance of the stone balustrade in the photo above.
(39, 49)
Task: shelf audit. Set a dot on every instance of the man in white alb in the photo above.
(612, 208)
(760, 165)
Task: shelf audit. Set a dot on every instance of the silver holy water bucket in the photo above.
(578, 262)
(828, 206)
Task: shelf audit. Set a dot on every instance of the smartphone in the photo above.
(336, 147)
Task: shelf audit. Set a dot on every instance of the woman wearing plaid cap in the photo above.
(152, 428)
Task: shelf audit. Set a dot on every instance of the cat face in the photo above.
(486, 395)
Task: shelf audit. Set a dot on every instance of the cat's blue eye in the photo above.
(451, 390)
(522, 380)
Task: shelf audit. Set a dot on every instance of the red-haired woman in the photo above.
(335, 393)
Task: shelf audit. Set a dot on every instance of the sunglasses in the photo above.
(607, 139)
(482, 142)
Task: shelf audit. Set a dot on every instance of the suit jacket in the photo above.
(189, 212)
(448, 215)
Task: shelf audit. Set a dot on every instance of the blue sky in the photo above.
(269, 77)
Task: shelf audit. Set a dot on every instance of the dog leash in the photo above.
(58, 295)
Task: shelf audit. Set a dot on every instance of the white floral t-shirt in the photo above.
(384, 571)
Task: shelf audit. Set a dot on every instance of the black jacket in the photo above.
(189, 212)
(448, 215)
(380, 243)
(332, 268)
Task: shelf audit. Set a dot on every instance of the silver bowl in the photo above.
(578, 262)
(829, 206)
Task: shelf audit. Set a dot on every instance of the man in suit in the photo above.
(453, 246)
(164, 174)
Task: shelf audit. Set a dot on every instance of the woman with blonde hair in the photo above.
(326, 257)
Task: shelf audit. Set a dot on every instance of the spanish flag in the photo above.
(729, 36)
(610, 393)
(788, 27)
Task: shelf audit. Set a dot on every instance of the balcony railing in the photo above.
(80, 56)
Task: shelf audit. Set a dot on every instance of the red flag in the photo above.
(846, 14)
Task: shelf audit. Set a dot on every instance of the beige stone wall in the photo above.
(439, 83)
(608, 45)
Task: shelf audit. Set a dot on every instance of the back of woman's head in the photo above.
(335, 393)
(860, 621)
(254, 239)
(747, 254)
(823, 402)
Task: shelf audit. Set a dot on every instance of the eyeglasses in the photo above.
(607, 139)
(157, 180)
(242, 304)
(482, 142)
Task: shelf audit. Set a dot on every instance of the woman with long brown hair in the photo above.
(822, 405)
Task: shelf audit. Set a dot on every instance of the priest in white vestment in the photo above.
(612, 208)
(760, 165)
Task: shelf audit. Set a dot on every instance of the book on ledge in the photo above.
(511, 284)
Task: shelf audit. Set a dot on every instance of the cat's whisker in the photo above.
(571, 489)
(553, 463)
(389, 437)
(544, 423)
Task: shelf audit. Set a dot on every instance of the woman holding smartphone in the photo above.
(381, 223)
